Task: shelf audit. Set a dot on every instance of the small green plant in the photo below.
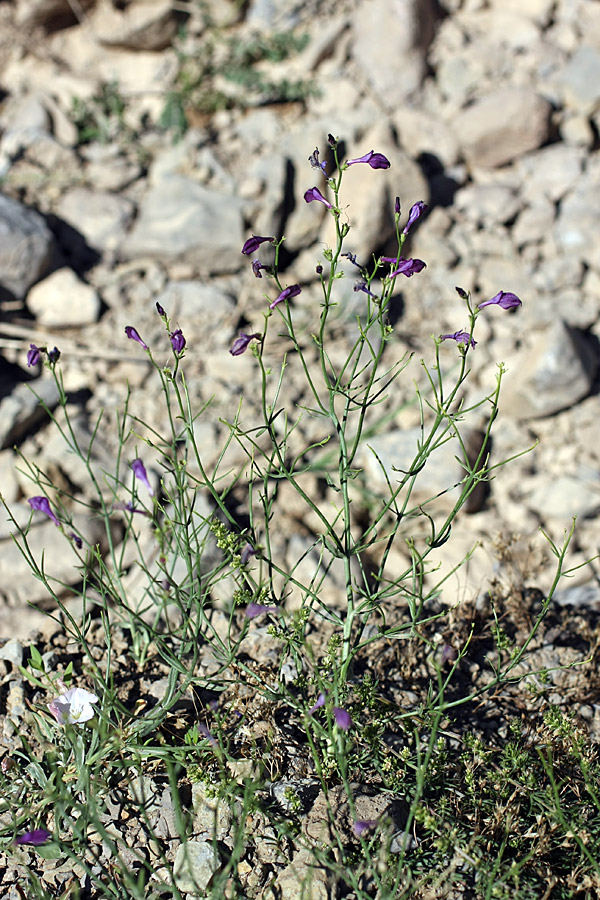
(225, 72)
(101, 117)
(343, 741)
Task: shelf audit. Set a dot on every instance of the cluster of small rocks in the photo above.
(488, 111)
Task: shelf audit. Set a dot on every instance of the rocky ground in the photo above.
(133, 168)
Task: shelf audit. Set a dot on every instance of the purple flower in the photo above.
(160, 310)
(246, 553)
(461, 337)
(331, 141)
(35, 838)
(351, 257)
(342, 718)
(504, 299)
(254, 242)
(397, 206)
(315, 162)
(416, 211)
(41, 504)
(240, 345)
(139, 470)
(129, 507)
(449, 654)
(408, 267)
(204, 731)
(53, 355)
(33, 355)
(320, 702)
(461, 293)
(258, 609)
(132, 334)
(362, 286)
(76, 540)
(256, 267)
(315, 194)
(362, 825)
(177, 340)
(375, 160)
(292, 291)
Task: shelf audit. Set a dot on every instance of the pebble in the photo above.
(503, 126)
(401, 46)
(62, 300)
(99, 216)
(181, 220)
(195, 864)
(558, 371)
(26, 246)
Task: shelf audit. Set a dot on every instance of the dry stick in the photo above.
(24, 335)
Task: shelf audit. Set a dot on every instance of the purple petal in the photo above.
(35, 838)
(139, 470)
(362, 825)
(461, 337)
(362, 286)
(320, 702)
(257, 609)
(375, 160)
(177, 340)
(254, 242)
(315, 162)
(33, 355)
(342, 718)
(133, 335)
(240, 345)
(246, 553)
(504, 299)
(315, 194)
(416, 211)
(292, 291)
(408, 267)
(41, 504)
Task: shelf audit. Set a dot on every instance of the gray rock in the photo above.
(556, 370)
(401, 30)
(550, 172)
(180, 219)
(398, 450)
(206, 312)
(101, 218)
(565, 497)
(62, 300)
(302, 879)
(421, 131)
(212, 815)
(503, 126)
(580, 79)
(22, 410)
(586, 595)
(144, 25)
(488, 203)
(12, 652)
(534, 223)
(26, 246)
(195, 864)
(577, 227)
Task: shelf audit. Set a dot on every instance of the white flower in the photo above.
(73, 707)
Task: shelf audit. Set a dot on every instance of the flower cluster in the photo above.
(35, 355)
